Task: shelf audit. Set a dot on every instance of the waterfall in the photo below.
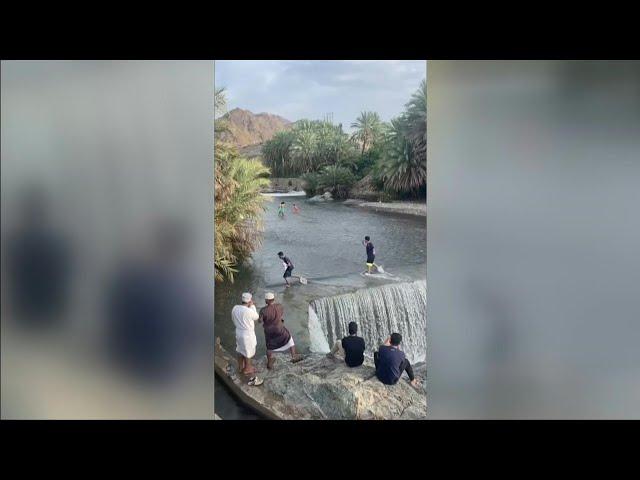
(378, 311)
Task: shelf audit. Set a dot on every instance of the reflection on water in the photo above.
(324, 243)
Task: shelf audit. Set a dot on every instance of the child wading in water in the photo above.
(281, 210)
(296, 209)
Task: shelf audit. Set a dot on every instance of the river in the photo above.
(324, 242)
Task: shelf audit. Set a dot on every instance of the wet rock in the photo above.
(325, 388)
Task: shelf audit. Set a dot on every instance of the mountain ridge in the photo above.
(245, 128)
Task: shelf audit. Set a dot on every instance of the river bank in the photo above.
(322, 388)
(418, 209)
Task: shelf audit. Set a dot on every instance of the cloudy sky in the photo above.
(296, 89)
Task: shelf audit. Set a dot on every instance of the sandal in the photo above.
(255, 381)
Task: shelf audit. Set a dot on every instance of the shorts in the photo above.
(370, 260)
(287, 272)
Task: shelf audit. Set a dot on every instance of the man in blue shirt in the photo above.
(390, 362)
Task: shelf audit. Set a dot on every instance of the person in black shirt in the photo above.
(390, 362)
(286, 262)
(371, 253)
(352, 347)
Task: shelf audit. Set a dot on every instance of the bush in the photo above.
(310, 183)
(337, 180)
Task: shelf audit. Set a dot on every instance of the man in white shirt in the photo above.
(244, 317)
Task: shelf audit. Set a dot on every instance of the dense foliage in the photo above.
(392, 154)
(308, 147)
(238, 203)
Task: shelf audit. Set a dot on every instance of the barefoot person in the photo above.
(351, 347)
(371, 253)
(288, 268)
(244, 317)
(281, 210)
(277, 336)
(391, 362)
(295, 208)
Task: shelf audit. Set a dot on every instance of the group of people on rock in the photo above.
(390, 361)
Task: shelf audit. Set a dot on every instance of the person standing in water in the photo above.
(288, 266)
(276, 335)
(371, 253)
(281, 210)
(296, 209)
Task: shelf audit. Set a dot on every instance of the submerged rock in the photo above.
(324, 388)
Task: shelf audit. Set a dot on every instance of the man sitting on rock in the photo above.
(277, 336)
(351, 347)
(390, 362)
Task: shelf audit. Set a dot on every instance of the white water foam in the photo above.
(317, 337)
(378, 311)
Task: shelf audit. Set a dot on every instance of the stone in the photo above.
(319, 387)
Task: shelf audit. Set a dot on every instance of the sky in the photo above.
(296, 89)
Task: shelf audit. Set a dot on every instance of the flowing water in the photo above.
(324, 242)
(378, 311)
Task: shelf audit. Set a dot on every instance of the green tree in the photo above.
(401, 168)
(368, 129)
(238, 205)
(337, 180)
(304, 149)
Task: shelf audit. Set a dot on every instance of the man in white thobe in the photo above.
(244, 317)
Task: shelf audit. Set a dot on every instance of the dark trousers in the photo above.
(405, 366)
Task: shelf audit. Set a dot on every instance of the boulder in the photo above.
(325, 388)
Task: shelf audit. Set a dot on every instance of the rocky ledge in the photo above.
(323, 388)
(406, 208)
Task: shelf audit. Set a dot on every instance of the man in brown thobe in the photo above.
(277, 336)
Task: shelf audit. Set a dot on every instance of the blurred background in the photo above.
(533, 239)
(107, 207)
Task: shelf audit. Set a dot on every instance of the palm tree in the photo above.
(402, 168)
(276, 154)
(238, 208)
(367, 127)
(416, 119)
(238, 203)
(304, 148)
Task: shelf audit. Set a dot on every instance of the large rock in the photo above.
(325, 197)
(323, 388)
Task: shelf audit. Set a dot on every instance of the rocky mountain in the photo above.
(246, 129)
